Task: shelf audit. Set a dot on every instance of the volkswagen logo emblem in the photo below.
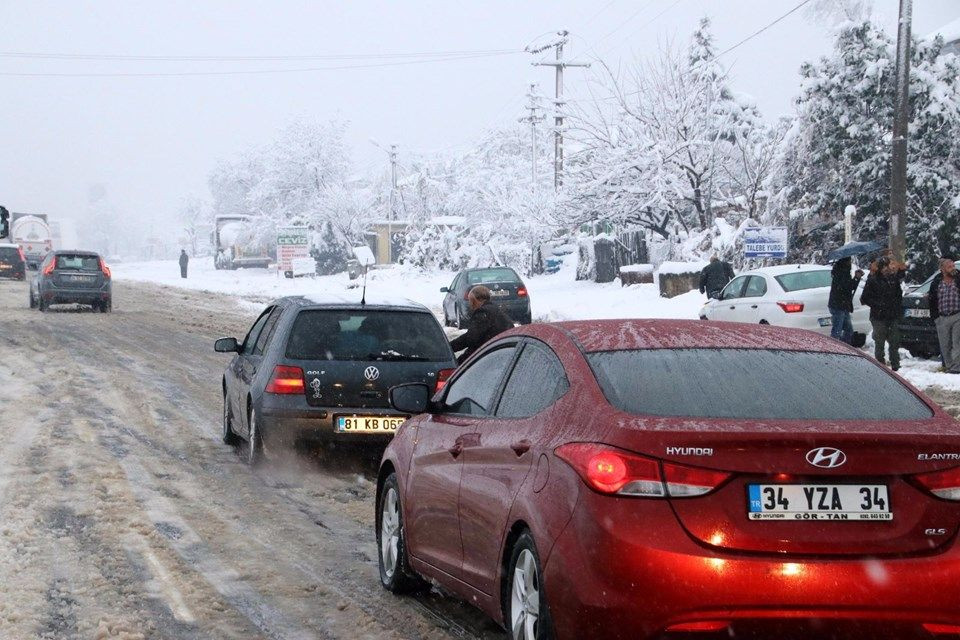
(826, 457)
(371, 373)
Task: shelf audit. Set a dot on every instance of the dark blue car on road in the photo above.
(311, 371)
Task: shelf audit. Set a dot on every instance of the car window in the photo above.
(923, 288)
(800, 280)
(251, 340)
(536, 382)
(10, 253)
(474, 390)
(456, 283)
(645, 382)
(733, 288)
(756, 287)
(266, 334)
(361, 335)
(482, 276)
(79, 263)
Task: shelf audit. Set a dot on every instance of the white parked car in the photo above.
(792, 295)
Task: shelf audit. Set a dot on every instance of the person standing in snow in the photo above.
(840, 302)
(945, 311)
(883, 293)
(715, 277)
(184, 261)
(486, 322)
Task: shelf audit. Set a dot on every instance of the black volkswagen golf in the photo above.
(319, 370)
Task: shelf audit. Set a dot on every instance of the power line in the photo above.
(640, 28)
(759, 31)
(243, 72)
(250, 58)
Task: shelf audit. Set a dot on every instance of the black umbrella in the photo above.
(854, 249)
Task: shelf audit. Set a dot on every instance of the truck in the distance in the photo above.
(236, 244)
(32, 233)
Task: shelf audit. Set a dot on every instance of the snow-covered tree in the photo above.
(197, 221)
(838, 150)
(666, 142)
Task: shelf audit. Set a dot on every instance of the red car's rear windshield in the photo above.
(752, 384)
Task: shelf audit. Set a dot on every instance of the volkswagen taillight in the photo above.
(943, 484)
(614, 471)
(104, 268)
(285, 380)
(791, 307)
(442, 376)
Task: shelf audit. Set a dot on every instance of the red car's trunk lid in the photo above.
(881, 464)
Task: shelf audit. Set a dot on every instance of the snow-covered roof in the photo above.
(450, 221)
(780, 269)
(949, 31)
(8, 245)
(681, 267)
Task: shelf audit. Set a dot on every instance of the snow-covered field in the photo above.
(554, 297)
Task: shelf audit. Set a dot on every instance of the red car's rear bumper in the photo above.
(626, 569)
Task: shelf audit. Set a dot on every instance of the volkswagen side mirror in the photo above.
(412, 398)
(226, 345)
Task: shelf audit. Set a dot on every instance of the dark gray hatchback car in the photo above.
(319, 370)
(507, 291)
(72, 277)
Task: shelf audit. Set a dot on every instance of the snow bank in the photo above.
(555, 296)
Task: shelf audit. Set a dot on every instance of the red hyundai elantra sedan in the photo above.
(645, 479)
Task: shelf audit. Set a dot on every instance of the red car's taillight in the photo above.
(285, 380)
(703, 626)
(791, 307)
(522, 292)
(23, 256)
(442, 376)
(47, 270)
(617, 472)
(941, 629)
(943, 484)
(104, 268)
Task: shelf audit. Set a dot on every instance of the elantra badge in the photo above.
(826, 457)
(371, 373)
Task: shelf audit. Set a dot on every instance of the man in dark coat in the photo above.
(883, 293)
(945, 311)
(184, 261)
(840, 303)
(715, 277)
(486, 322)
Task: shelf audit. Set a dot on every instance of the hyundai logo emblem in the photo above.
(826, 457)
(371, 373)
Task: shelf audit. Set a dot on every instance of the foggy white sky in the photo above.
(152, 140)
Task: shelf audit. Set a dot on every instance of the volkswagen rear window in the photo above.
(492, 275)
(367, 336)
(80, 263)
(805, 280)
(752, 384)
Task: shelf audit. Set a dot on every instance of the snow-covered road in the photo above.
(122, 515)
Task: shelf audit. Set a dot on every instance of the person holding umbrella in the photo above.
(840, 303)
(883, 293)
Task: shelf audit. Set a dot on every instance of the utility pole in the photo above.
(559, 65)
(533, 118)
(901, 125)
(392, 154)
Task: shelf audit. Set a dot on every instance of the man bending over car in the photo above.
(486, 321)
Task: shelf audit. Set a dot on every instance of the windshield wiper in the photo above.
(393, 355)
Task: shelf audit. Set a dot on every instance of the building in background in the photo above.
(951, 36)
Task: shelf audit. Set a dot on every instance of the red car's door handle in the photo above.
(521, 447)
(456, 449)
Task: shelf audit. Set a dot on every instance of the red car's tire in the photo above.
(527, 616)
(396, 575)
